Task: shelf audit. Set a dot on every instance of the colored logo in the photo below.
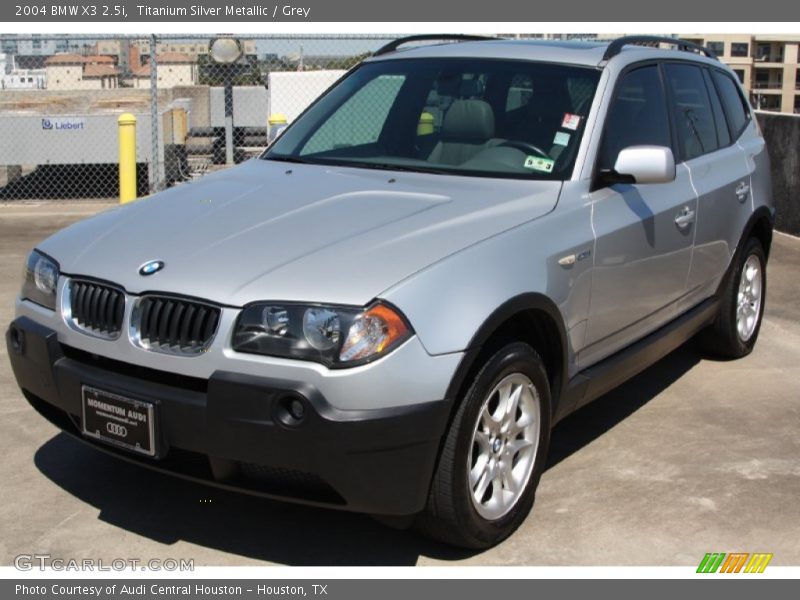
(64, 124)
(734, 562)
(153, 266)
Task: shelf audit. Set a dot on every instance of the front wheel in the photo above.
(494, 452)
(735, 330)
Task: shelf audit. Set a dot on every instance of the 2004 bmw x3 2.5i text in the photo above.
(453, 248)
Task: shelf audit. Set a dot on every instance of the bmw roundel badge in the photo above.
(150, 267)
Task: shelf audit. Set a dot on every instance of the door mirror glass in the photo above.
(645, 164)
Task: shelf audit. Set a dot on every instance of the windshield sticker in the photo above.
(571, 121)
(561, 139)
(539, 163)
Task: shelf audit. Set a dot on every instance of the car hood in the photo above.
(280, 231)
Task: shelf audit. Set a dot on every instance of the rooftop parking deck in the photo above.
(691, 456)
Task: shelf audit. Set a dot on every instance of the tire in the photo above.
(733, 334)
(452, 515)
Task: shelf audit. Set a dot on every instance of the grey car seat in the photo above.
(467, 129)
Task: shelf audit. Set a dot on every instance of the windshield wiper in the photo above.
(290, 159)
(379, 166)
(359, 164)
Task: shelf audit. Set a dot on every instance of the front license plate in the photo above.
(118, 420)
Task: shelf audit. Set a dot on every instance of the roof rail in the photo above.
(455, 37)
(616, 46)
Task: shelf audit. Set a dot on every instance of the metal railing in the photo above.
(768, 85)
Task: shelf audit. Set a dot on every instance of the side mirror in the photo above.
(645, 164)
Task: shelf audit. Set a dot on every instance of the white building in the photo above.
(172, 69)
(76, 72)
(24, 79)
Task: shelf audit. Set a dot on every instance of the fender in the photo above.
(502, 314)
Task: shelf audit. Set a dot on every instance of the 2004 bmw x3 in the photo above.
(453, 248)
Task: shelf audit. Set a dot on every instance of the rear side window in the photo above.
(637, 116)
(691, 106)
(732, 101)
(723, 135)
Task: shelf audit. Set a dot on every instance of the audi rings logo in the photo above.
(117, 429)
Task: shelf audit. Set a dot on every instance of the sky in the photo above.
(337, 47)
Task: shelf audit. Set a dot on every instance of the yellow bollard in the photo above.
(276, 119)
(425, 125)
(277, 123)
(126, 123)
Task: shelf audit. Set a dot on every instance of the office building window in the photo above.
(739, 49)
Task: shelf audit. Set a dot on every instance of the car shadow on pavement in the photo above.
(594, 419)
(168, 510)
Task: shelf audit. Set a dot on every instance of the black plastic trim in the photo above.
(616, 46)
(760, 214)
(377, 461)
(506, 311)
(602, 377)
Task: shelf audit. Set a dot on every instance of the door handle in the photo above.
(684, 218)
(742, 190)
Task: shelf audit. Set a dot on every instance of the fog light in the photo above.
(297, 410)
(291, 410)
(16, 338)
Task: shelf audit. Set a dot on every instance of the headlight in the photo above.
(336, 336)
(40, 280)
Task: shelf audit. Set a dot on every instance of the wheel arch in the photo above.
(532, 318)
(760, 226)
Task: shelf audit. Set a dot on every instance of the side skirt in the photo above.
(600, 378)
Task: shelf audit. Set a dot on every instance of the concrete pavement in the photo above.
(691, 456)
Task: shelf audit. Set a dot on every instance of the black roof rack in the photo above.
(617, 45)
(454, 37)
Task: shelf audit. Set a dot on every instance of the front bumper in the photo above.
(227, 429)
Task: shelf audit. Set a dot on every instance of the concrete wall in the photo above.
(782, 133)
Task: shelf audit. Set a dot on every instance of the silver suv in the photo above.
(453, 248)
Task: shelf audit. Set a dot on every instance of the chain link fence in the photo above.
(196, 111)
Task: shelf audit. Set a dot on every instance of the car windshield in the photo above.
(490, 118)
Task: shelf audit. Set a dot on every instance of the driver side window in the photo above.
(637, 116)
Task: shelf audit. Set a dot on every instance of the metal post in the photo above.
(229, 155)
(126, 124)
(155, 165)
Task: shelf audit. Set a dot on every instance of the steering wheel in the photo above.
(524, 147)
